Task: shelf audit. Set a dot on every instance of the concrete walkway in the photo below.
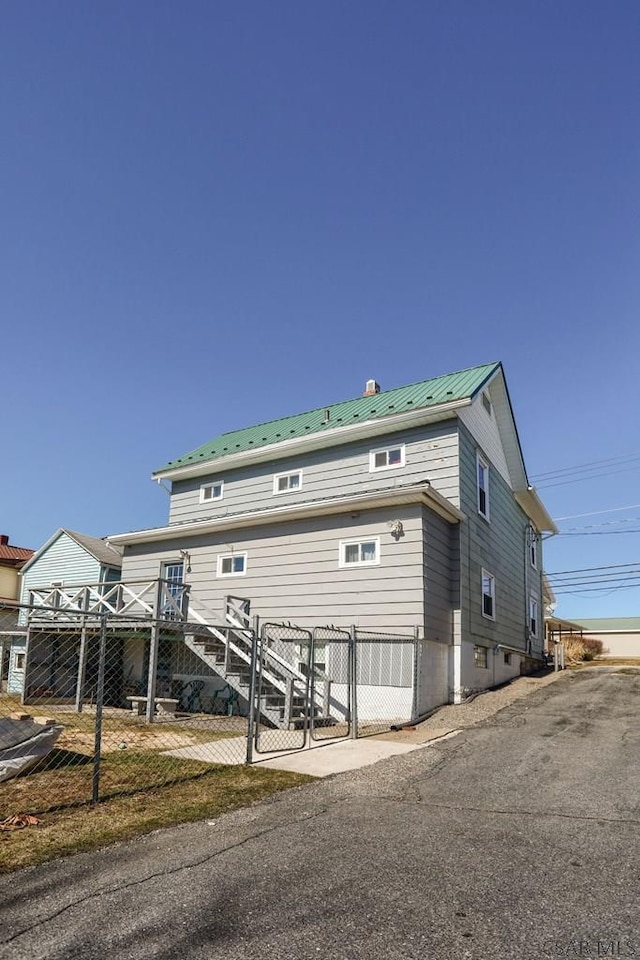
(320, 758)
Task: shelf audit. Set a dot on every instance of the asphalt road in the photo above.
(517, 838)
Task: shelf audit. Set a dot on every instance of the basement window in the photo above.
(232, 565)
(359, 553)
(387, 458)
(287, 482)
(211, 491)
(480, 657)
(507, 659)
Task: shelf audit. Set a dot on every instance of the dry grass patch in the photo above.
(209, 792)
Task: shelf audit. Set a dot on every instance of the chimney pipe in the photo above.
(371, 388)
(4, 540)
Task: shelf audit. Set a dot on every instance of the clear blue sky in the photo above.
(218, 213)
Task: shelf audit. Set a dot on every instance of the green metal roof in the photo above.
(427, 393)
(610, 624)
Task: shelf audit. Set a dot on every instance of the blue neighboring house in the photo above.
(67, 559)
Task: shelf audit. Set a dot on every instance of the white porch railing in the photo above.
(149, 599)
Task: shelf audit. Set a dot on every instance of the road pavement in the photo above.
(516, 838)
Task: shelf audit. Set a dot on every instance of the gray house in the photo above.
(65, 562)
(405, 510)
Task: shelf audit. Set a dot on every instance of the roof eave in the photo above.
(326, 438)
(535, 509)
(422, 493)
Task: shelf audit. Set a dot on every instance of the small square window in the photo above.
(483, 486)
(287, 482)
(232, 565)
(488, 595)
(480, 657)
(386, 459)
(507, 658)
(211, 491)
(20, 660)
(359, 553)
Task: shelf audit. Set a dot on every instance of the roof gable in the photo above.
(426, 394)
(106, 555)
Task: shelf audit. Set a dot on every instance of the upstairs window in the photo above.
(359, 553)
(488, 595)
(287, 482)
(232, 565)
(482, 468)
(387, 458)
(533, 616)
(533, 547)
(211, 491)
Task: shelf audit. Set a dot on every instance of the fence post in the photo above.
(353, 670)
(153, 654)
(562, 656)
(97, 746)
(251, 716)
(82, 656)
(415, 695)
(27, 657)
(555, 657)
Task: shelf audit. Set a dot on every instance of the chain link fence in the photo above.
(97, 706)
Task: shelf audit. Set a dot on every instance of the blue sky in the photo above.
(218, 213)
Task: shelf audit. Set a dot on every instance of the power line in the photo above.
(597, 513)
(593, 476)
(595, 533)
(590, 465)
(610, 566)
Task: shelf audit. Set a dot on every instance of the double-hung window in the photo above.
(211, 491)
(387, 458)
(287, 482)
(533, 616)
(359, 553)
(488, 595)
(533, 547)
(482, 474)
(232, 565)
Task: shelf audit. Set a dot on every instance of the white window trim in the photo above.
(533, 546)
(208, 486)
(342, 563)
(480, 460)
(289, 473)
(20, 656)
(387, 466)
(486, 573)
(533, 599)
(234, 573)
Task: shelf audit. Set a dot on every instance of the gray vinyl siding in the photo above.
(64, 560)
(498, 546)
(431, 453)
(293, 570)
(438, 568)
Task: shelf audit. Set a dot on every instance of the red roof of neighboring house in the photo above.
(15, 556)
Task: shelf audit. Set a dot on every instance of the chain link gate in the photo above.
(331, 683)
(303, 687)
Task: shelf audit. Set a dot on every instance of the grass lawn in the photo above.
(190, 791)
